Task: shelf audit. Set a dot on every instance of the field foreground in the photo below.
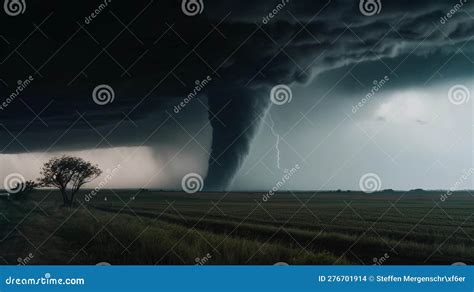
(163, 228)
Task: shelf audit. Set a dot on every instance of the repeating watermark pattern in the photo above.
(14, 7)
(377, 86)
(263, 248)
(444, 19)
(382, 260)
(103, 94)
(289, 173)
(199, 86)
(14, 183)
(22, 85)
(280, 6)
(370, 7)
(88, 19)
(25, 261)
(370, 182)
(459, 94)
(192, 183)
(203, 261)
(462, 179)
(192, 7)
(110, 174)
(281, 94)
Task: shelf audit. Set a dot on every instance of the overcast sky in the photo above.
(414, 130)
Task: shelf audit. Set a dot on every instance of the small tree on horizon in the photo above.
(22, 190)
(68, 173)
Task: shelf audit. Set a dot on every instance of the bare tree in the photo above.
(68, 173)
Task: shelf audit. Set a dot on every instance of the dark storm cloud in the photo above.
(152, 64)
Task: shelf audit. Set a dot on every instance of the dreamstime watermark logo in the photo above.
(275, 11)
(14, 183)
(281, 264)
(14, 7)
(289, 173)
(281, 94)
(198, 87)
(203, 261)
(192, 183)
(103, 94)
(110, 174)
(459, 94)
(462, 179)
(192, 7)
(444, 19)
(370, 7)
(47, 279)
(370, 182)
(103, 264)
(22, 85)
(382, 260)
(459, 264)
(88, 19)
(377, 86)
(25, 261)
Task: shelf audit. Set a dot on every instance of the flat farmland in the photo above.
(156, 227)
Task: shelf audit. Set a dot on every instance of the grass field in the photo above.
(148, 227)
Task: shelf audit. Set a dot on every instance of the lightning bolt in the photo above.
(277, 136)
